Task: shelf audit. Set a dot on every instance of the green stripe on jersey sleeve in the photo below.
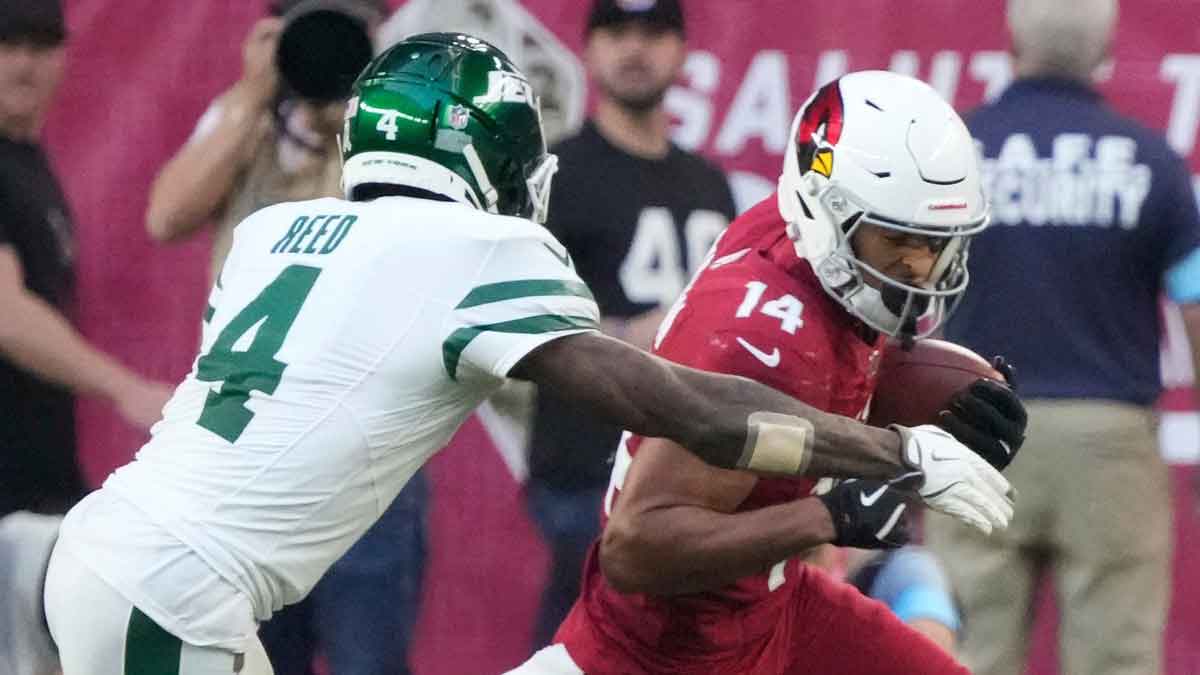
(454, 345)
(525, 288)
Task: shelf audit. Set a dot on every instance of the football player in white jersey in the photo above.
(346, 341)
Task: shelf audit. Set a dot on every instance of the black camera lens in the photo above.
(321, 53)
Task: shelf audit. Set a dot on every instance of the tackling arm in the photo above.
(735, 423)
(719, 418)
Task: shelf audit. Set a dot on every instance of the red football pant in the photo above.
(841, 632)
(825, 628)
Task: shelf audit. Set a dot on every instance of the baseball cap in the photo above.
(663, 13)
(37, 21)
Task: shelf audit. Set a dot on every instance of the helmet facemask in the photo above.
(895, 308)
(538, 184)
(533, 203)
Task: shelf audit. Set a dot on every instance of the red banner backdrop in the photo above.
(141, 71)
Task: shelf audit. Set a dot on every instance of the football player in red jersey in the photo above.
(699, 569)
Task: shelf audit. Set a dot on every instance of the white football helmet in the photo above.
(880, 148)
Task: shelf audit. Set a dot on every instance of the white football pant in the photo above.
(99, 632)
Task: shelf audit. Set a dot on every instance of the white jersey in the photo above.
(344, 344)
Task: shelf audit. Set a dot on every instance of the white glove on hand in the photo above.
(957, 482)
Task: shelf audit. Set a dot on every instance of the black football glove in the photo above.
(871, 514)
(988, 417)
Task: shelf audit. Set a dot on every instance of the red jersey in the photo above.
(754, 309)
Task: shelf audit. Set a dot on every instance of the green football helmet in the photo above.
(450, 114)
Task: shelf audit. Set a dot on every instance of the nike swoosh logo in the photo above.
(769, 360)
(870, 499)
(565, 258)
(934, 456)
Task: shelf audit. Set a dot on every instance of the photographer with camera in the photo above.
(272, 137)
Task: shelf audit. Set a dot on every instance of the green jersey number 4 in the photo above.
(256, 368)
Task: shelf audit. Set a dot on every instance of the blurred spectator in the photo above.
(259, 143)
(43, 359)
(272, 137)
(911, 581)
(1093, 219)
(637, 214)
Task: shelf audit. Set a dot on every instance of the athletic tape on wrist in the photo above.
(777, 443)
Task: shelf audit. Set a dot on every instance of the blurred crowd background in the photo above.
(140, 75)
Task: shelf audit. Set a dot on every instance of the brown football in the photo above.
(915, 385)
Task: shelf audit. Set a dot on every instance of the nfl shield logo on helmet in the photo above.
(459, 117)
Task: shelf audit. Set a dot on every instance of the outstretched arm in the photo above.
(723, 419)
(734, 423)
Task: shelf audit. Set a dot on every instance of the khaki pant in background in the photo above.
(1093, 507)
